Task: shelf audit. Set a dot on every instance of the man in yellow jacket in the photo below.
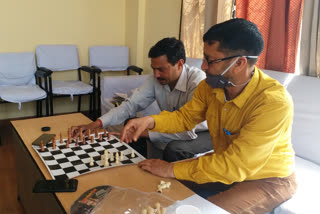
(249, 117)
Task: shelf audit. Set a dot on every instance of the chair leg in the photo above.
(90, 104)
(47, 107)
(79, 103)
(37, 108)
(51, 104)
(94, 107)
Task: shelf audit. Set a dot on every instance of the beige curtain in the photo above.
(310, 39)
(192, 27)
(197, 17)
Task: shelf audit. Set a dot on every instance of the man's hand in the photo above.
(75, 130)
(158, 167)
(135, 128)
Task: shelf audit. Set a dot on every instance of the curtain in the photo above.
(192, 27)
(279, 22)
(310, 40)
(197, 17)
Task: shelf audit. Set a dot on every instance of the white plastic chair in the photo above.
(54, 58)
(110, 58)
(18, 82)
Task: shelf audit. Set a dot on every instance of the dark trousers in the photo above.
(180, 150)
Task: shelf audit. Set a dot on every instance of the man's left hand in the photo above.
(158, 167)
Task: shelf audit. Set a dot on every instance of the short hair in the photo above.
(171, 47)
(236, 37)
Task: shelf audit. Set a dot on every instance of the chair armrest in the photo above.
(43, 74)
(46, 70)
(135, 69)
(96, 69)
(86, 69)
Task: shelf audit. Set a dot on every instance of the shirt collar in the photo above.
(244, 95)
(248, 90)
(181, 85)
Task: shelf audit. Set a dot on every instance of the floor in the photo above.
(8, 185)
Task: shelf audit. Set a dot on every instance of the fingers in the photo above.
(125, 133)
(115, 133)
(75, 131)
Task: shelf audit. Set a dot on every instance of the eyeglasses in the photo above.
(209, 62)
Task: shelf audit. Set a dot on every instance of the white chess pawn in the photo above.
(163, 210)
(157, 205)
(132, 153)
(102, 159)
(143, 211)
(106, 154)
(106, 162)
(117, 158)
(91, 161)
(150, 210)
(121, 156)
(111, 156)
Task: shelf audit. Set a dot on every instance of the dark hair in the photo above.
(171, 47)
(236, 37)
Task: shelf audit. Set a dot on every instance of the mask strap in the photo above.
(225, 71)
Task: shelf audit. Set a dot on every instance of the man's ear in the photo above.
(180, 63)
(241, 63)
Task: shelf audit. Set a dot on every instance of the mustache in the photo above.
(160, 78)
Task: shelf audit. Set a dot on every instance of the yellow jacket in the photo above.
(251, 134)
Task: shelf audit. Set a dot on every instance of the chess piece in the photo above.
(106, 162)
(61, 140)
(69, 135)
(157, 205)
(77, 141)
(109, 136)
(163, 210)
(106, 154)
(92, 139)
(117, 158)
(111, 156)
(100, 137)
(163, 185)
(102, 158)
(91, 161)
(150, 210)
(67, 144)
(121, 156)
(132, 153)
(53, 143)
(80, 132)
(41, 146)
(89, 133)
(96, 133)
(104, 132)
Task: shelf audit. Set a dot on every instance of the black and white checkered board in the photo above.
(70, 162)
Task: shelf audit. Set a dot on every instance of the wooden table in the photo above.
(30, 168)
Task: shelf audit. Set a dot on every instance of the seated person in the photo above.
(249, 118)
(172, 85)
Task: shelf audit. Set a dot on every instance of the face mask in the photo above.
(218, 81)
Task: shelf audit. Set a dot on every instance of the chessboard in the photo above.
(69, 160)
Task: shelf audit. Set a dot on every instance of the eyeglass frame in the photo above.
(226, 58)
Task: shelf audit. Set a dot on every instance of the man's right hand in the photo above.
(75, 130)
(135, 127)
